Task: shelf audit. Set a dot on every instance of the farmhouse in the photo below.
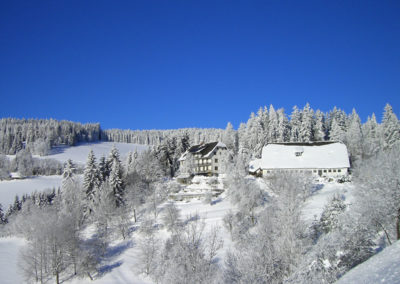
(203, 159)
(325, 159)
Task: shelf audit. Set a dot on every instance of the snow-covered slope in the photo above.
(381, 268)
(10, 188)
(79, 153)
(324, 192)
(9, 248)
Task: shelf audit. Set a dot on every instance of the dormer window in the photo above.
(298, 151)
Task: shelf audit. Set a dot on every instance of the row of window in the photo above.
(307, 171)
(203, 169)
(206, 161)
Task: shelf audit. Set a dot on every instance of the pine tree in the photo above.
(306, 125)
(129, 162)
(273, 125)
(229, 137)
(354, 137)
(3, 219)
(391, 127)
(103, 169)
(295, 125)
(283, 126)
(371, 137)
(117, 184)
(90, 176)
(336, 133)
(329, 218)
(318, 127)
(68, 173)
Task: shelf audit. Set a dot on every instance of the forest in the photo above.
(69, 230)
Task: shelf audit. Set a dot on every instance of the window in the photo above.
(330, 171)
(216, 160)
(216, 168)
(324, 171)
(298, 154)
(209, 168)
(314, 171)
(334, 171)
(268, 172)
(339, 171)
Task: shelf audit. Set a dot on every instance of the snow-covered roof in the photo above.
(254, 165)
(313, 156)
(205, 150)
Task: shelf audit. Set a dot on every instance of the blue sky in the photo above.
(173, 64)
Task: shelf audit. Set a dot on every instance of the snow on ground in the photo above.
(323, 193)
(383, 267)
(119, 268)
(80, 152)
(212, 214)
(10, 188)
(9, 249)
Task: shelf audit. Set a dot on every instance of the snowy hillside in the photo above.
(381, 268)
(9, 250)
(10, 188)
(80, 152)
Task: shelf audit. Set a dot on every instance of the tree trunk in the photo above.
(134, 214)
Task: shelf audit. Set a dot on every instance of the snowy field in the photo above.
(10, 188)
(80, 152)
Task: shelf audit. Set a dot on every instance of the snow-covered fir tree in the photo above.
(91, 178)
(391, 127)
(295, 125)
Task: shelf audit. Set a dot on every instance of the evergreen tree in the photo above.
(3, 219)
(329, 218)
(391, 127)
(354, 137)
(371, 137)
(68, 173)
(295, 125)
(229, 137)
(336, 133)
(117, 184)
(318, 126)
(17, 204)
(273, 125)
(283, 126)
(103, 169)
(90, 176)
(306, 125)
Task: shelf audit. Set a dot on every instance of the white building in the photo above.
(203, 159)
(325, 159)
